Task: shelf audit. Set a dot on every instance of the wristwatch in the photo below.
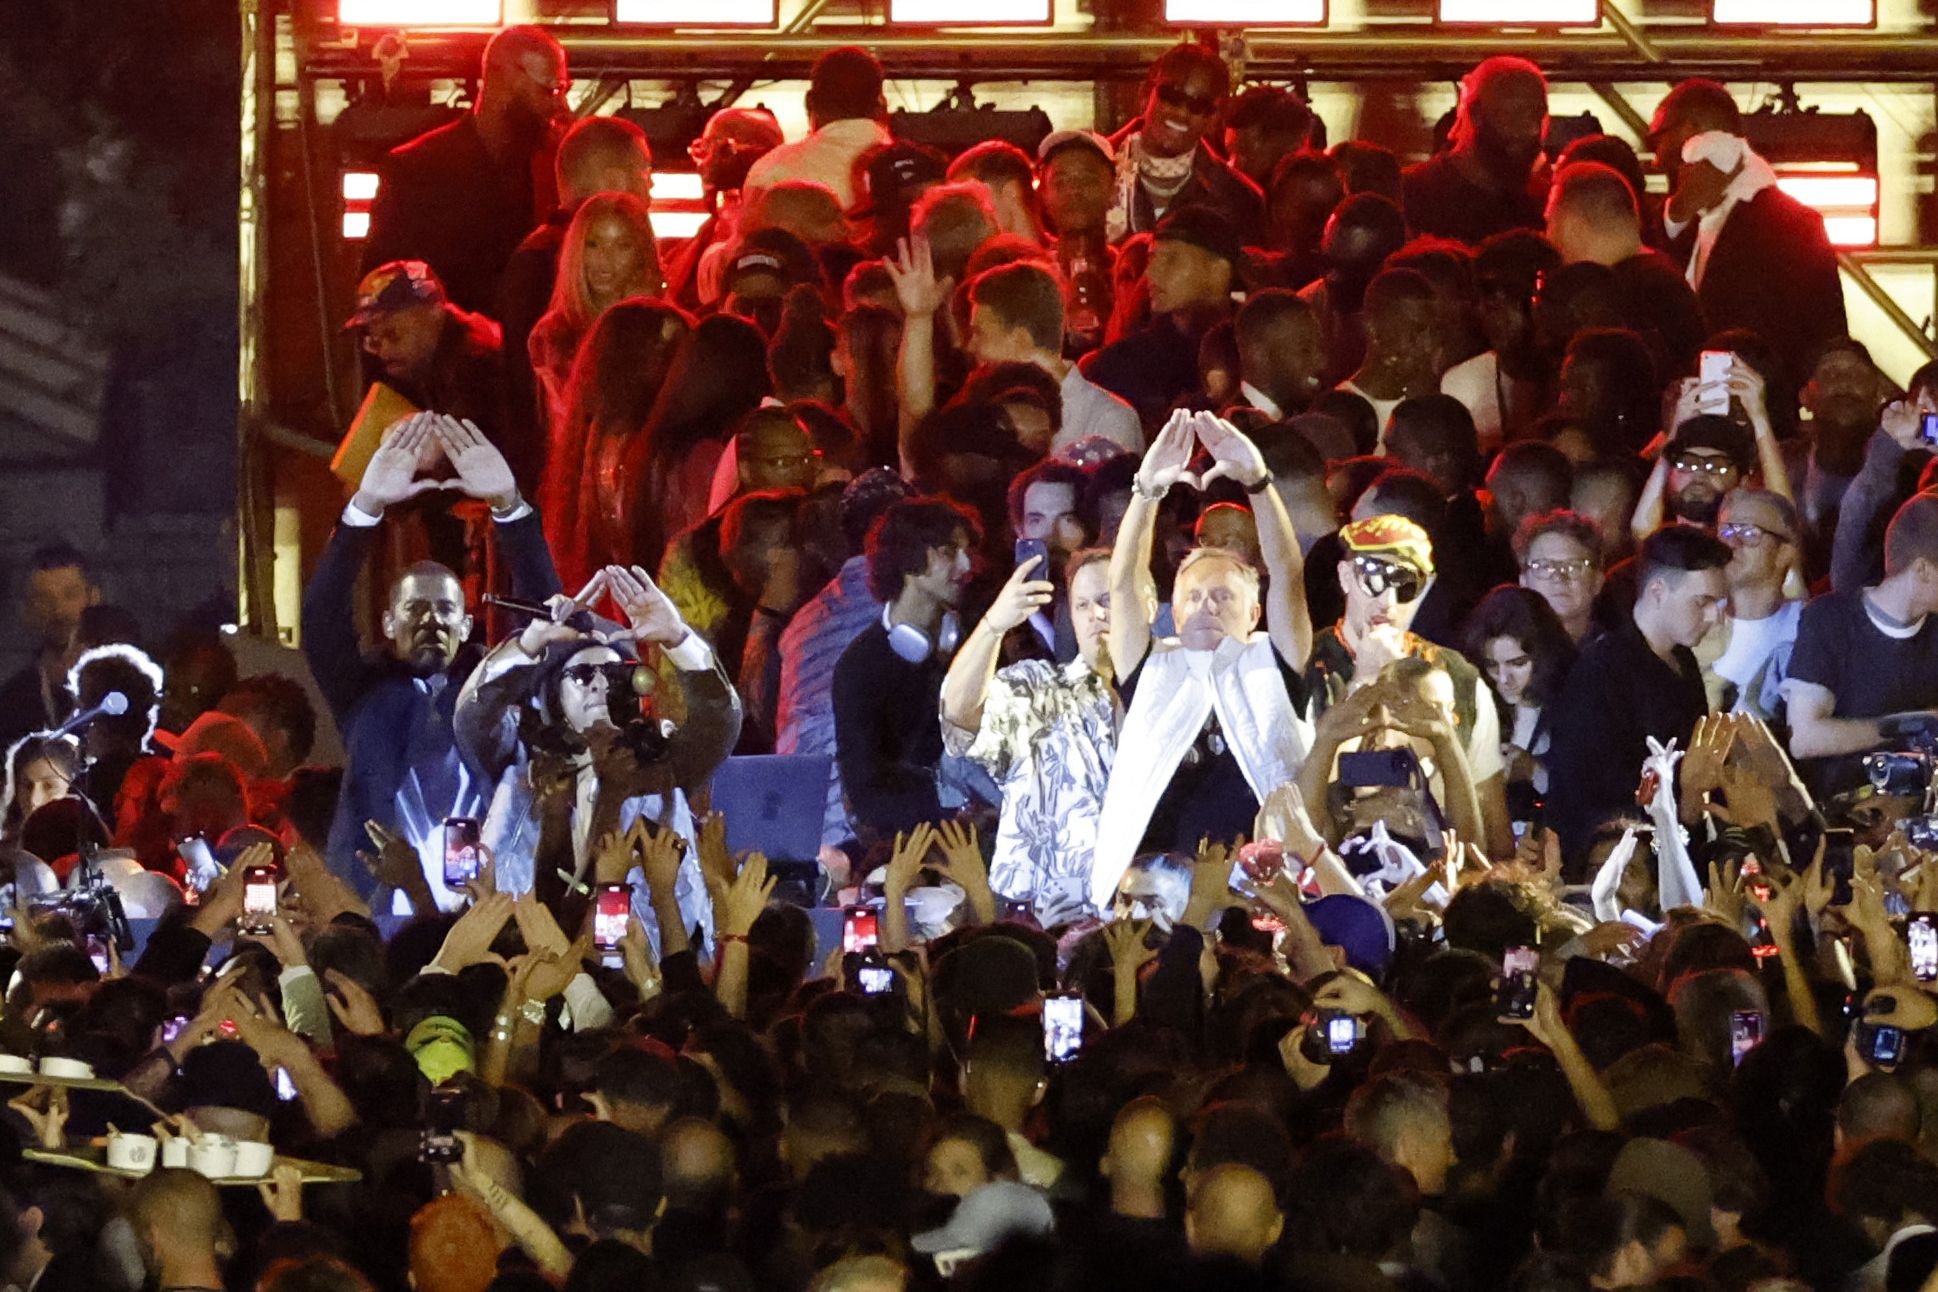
(1138, 488)
(533, 1012)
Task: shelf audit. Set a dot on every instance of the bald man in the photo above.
(1594, 215)
(1233, 1212)
(734, 139)
(697, 1165)
(597, 155)
(1139, 1158)
(461, 197)
(177, 1219)
(1491, 180)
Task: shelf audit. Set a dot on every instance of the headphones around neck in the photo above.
(913, 645)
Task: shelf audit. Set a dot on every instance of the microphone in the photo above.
(112, 705)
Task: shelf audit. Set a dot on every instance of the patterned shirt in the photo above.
(1048, 735)
(811, 645)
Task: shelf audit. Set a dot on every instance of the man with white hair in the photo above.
(1216, 715)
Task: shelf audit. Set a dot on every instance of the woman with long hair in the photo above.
(718, 377)
(586, 494)
(608, 255)
(1525, 653)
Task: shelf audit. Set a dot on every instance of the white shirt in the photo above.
(1089, 409)
(1382, 411)
(827, 156)
(1757, 649)
(1476, 383)
(1263, 402)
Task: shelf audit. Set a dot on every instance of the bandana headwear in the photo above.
(1727, 153)
(1394, 537)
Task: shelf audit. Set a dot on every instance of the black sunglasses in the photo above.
(1376, 576)
(1179, 97)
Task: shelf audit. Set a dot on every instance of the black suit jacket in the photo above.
(446, 201)
(1772, 271)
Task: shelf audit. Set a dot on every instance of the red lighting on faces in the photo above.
(420, 13)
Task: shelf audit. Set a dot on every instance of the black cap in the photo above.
(772, 251)
(1713, 431)
(900, 172)
(1203, 227)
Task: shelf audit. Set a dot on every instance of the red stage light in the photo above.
(679, 204)
(971, 13)
(716, 13)
(1520, 13)
(1245, 13)
(1794, 13)
(1848, 202)
(420, 13)
(359, 191)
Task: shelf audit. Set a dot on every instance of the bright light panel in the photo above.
(970, 13)
(356, 226)
(668, 225)
(1851, 230)
(677, 186)
(716, 13)
(420, 13)
(359, 186)
(1795, 13)
(1246, 13)
(1824, 191)
(1522, 13)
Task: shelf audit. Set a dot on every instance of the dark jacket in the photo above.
(1773, 272)
(541, 784)
(1213, 183)
(445, 200)
(524, 294)
(397, 731)
(1151, 368)
(1618, 694)
(1441, 201)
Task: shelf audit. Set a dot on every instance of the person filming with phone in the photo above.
(1047, 732)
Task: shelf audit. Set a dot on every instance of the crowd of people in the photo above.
(1378, 728)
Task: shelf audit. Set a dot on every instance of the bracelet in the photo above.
(731, 937)
(1264, 482)
(1138, 488)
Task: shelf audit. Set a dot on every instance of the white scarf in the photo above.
(1177, 690)
(1726, 152)
(1134, 167)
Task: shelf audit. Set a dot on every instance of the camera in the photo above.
(1901, 774)
(1331, 1035)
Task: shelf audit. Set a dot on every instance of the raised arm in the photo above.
(329, 619)
(1287, 618)
(713, 709)
(1164, 465)
(975, 662)
(921, 298)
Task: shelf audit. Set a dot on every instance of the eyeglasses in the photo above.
(1542, 567)
(1738, 531)
(1375, 577)
(787, 461)
(1179, 97)
(585, 674)
(553, 89)
(1704, 466)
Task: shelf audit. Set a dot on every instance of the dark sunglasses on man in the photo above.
(1375, 575)
(1179, 97)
